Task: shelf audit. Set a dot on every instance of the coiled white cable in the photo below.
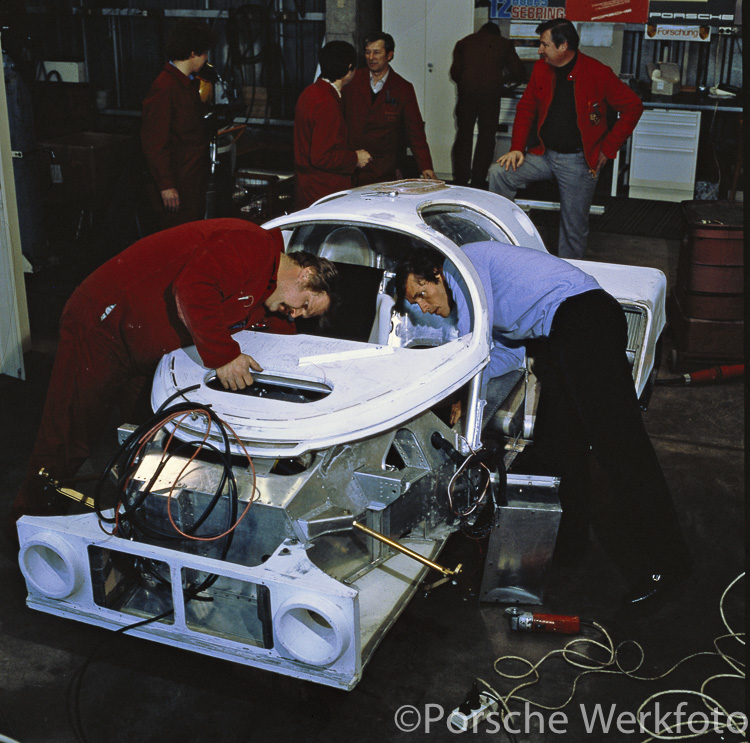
(611, 664)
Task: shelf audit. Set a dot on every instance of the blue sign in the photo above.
(527, 10)
(500, 8)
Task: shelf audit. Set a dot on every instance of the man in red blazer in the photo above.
(566, 105)
(382, 115)
(324, 162)
(196, 283)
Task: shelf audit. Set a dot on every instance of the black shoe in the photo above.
(654, 588)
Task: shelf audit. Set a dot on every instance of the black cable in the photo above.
(127, 451)
(130, 441)
(129, 518)
(478, 484)
(76, 682)
(140, 528)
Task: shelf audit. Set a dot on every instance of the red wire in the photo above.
(150, 434)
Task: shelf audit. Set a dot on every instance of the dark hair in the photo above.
(424, 263)
(336, 58)
(325, 277)
(491, 28)
(561, 29)
(189, 36)
(387, 39)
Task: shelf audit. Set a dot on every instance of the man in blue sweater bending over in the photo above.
(588, 406)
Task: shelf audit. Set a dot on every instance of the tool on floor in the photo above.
(526, 621)
(715, 373)
(718, 373)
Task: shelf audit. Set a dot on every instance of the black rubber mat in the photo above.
(642, 217)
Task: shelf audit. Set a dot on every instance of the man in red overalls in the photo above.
(173, 133)
(193, 284)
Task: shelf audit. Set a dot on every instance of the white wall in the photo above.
(14, 317)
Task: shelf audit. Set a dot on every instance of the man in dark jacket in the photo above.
(567, 98)
(173, 135)
(479, 62)
(382, 115)
(588, 409)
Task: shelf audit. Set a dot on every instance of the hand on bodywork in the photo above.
(236, 374)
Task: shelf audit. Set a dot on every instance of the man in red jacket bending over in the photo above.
(197, 283)
(568, 96)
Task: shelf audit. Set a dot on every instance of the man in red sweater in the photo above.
(173, 134)
(196, 283)
(566, 102)
(323, 160)
(382, 115)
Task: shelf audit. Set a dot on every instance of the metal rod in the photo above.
(553, 206)
(473, 422)
(405, 550)
(85, 48)
(67, 492)
(117, 54)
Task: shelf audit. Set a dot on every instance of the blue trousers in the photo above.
(576, 186)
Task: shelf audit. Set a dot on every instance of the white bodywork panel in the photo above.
(373, 388)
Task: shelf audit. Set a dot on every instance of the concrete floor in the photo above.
(133, 690)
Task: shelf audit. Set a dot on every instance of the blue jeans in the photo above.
(576, 192)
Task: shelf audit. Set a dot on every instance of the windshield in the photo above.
(462, 224)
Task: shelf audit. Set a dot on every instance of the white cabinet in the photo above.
(425, 32)
(663, 156)
(504, 126)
